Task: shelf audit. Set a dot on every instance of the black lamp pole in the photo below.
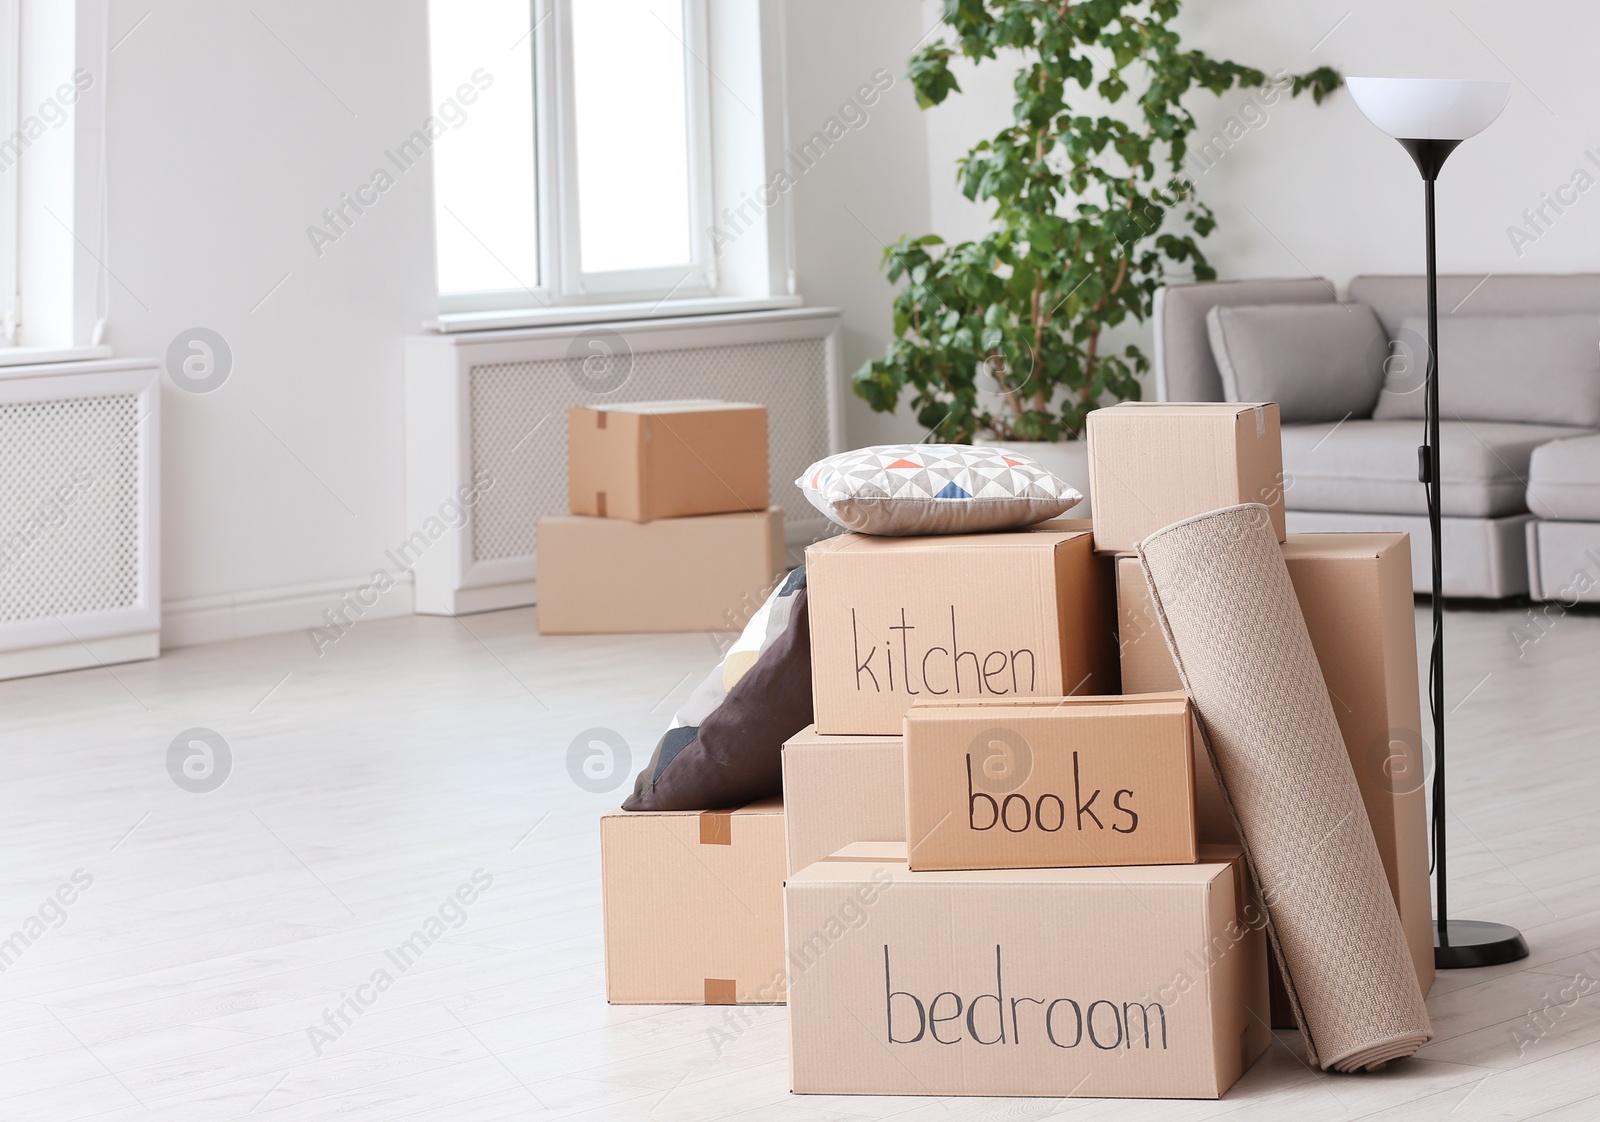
(1466, 942)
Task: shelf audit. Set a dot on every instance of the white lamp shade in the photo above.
(1429, 108)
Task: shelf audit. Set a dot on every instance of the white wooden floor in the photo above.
(367, 786)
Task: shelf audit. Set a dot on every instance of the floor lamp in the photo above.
(1430, 117)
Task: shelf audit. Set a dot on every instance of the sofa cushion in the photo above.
(1535, 369)
(1184, 368)
(1564, 480)
(1371, 466)
(1319, 362)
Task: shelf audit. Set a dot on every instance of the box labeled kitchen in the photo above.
(1146, 981)
(694, 906)
(1155, 463)
(666, 459)
(895, 620)
(1042, 782)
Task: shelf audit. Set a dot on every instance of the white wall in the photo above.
(231, 127)
(870, 188)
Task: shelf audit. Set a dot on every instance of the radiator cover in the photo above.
(79, 540)
(496, 402)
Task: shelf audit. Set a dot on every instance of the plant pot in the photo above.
(1067, 460)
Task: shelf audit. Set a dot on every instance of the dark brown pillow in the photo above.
(735, 755)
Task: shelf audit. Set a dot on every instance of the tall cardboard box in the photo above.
(602, 575)
(841, 789)
(666, 459)
(1154, 463)
(1145, 982)
(1023, 614)
(1041, 782)
(1355, 593)
(694, 906)
(1147, 665)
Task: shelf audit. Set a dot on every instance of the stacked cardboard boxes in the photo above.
(669, 529)
(1008, 867)
(994, 883)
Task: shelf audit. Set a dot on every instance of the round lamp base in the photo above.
(1476, 943)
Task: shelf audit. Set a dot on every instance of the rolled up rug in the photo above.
(1224, 601)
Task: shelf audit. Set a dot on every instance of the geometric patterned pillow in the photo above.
(906, 489)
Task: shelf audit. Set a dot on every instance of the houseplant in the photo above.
(1003, 339)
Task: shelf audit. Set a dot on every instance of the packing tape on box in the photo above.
(716, 828)
(1222, 595)
(722, 991)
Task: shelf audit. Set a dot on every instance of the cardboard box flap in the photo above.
(1196, 408)
(764, 806)
(810, 738)
(1035, 537)
(1171, 701)
(654, 407)
(887, 852)
(1369, 545)
(856, 862)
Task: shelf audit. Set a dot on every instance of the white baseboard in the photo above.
(269, 611)
(78, 655)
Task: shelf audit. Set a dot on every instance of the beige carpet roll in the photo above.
(1223, 597)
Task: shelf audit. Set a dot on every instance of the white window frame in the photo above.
(10, 88)
(697, 278)
(78, 289)
(564, 290)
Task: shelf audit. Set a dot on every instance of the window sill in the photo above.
(39, 356)
(456, 322)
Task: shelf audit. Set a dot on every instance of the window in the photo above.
(576, 162)
(53, 295)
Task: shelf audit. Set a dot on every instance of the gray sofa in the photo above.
(1521, 500)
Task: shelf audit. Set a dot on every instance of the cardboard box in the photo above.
(1142, 982)
(1147, 665)
(1050, 782)
(666, 459)
(841, 789)
(1028, 614)
(1355, 593)
(694, 906)
(1154, 463)
(601, 575)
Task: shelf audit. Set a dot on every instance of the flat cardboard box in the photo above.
(1050, 782)
(1154, 463)
(666, 459)
(1029, 613)
(1145, 982)
(841, 789)
(694, 906)
(1355, 593)
(602, 575)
